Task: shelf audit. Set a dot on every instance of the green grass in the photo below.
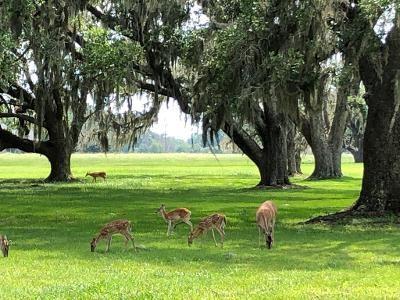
(51, 226)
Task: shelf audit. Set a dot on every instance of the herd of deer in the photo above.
(265, 219)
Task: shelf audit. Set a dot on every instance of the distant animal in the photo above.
(265, 218)
(175, 217)
(214, 221)
(122, 227)
(97, 174)
(4, 245)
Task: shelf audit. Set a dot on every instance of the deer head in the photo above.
(162, 208)
(195, 233)
(93, 245)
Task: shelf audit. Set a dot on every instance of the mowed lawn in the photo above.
(51, 226)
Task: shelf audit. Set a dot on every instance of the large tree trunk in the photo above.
(58, 152)
(298, 161)
(380, 73)
(273, 166)
(358, 153)
(380, 191)
(60, 162)
(381, 181)
(313, 130)
(314, 127)
(293, 154)
(271, 160)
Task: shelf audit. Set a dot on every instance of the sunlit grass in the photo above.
(51, 226)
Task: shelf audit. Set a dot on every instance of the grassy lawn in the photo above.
(51, 226)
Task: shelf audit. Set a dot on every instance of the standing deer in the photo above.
(175, 217)
(4, 245)
(214, 221)
(122, 227)
(265, 218)
(97, 174)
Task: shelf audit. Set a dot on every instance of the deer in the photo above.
(175, 217)
(265, 218)
(4, 245)
(214, 221)
(122, 227)
(97, 174)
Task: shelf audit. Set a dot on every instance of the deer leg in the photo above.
(190, 224)
(259, 236)
(222, 234)
(128, 237)
(176, 224)
(169, 227)
(212, 230)
(108, 243)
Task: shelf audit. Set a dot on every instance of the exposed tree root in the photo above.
(348, 216)
(279, 187)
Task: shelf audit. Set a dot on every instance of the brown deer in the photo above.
(4, 245)
(265, 218)
(175, 217)
(97, 174)
(214, 221)
(122, 227)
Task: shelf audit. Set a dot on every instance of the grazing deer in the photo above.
(175, 217)
(4, 245)
(122, 227)
(97, 174)
(215, 221)
(265, 218)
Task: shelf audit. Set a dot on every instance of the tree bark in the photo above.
(298, 161)
(271, 159)
(60, 162)
(313, 130)
(358, 153)
(381, 181)
(57, 152)
(293, 154)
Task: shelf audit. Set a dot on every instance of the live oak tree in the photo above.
(380, 72)
(62, 71)
(46, 91)
(379, 66)
(267, 60)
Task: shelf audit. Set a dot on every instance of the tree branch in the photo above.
(243, 141)
(9, 140)
(19, 116)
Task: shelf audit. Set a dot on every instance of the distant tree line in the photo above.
(151, 142)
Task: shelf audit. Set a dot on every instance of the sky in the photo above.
(172, 122)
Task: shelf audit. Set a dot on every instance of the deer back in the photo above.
(116, 226)
(266, 215)
(179, 213)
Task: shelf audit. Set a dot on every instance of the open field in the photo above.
(51, 226)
